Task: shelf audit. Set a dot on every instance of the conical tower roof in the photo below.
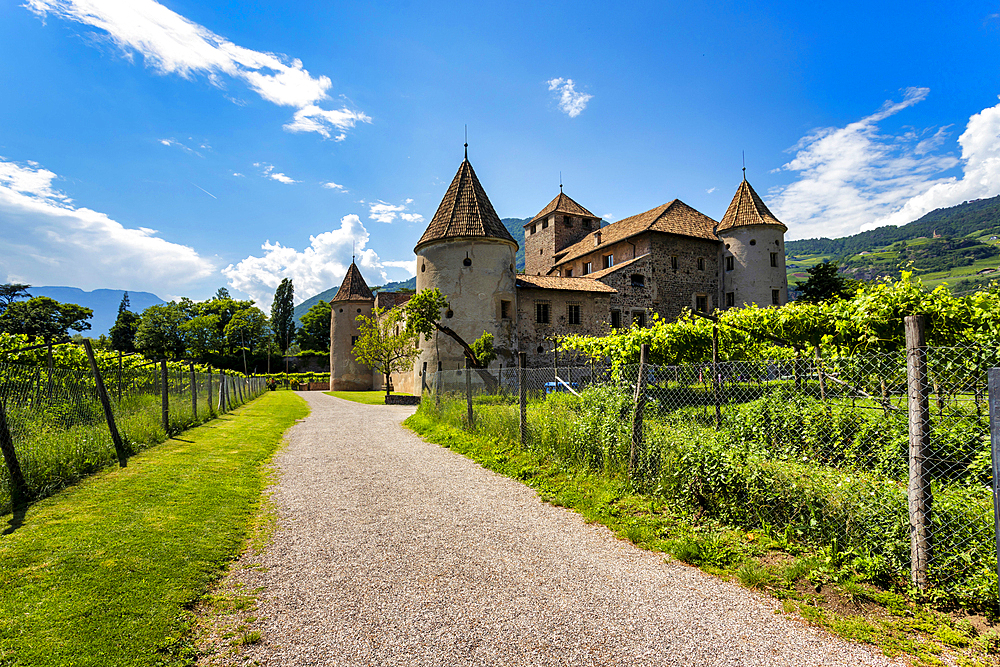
(465, 212)
(354, 287)
(746, 209)
(563, 204)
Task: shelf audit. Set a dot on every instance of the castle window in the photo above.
(701, 263)
(608, 261)
(569, 273)
(423, 267)
(730, 263)
(730, 299)
(545, 223)
(586, 224)
(541, 349)
(639, 318)
(466, 262)
(638, 280)
(753, 241)
(573, 313)
(776, 297)
(587, 267)
(774, 259)
(568, 220)
(541, 313)
(673, 262)
(616, 319)
(534, 229)
(505, 310)
(701, 303)
(450, 313)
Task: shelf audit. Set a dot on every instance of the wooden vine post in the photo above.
(102, 395)
(164, 397)
(18, 489)
(715, 376)
(468, 391)
(993, 382)
(522, 398)
(194, 393)
(637, 415)
(919, 490)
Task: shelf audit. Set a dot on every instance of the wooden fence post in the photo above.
(102, 394)
(715, 376)
(819, 374)
(121, 376)
(640, 406)
(18, 489)
(222, 391)
(194, 394)
(522, 398)
(468, 391)
(164, 397)
(423, 379)
(993, 383)
(437, 392)
(555, 363)
(919, 491)
(209, 393)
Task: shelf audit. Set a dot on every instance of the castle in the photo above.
(579, 277)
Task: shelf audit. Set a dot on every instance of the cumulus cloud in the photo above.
(317, 268)
(858, 177)
(571, 102)
(172, 44)
(334, 186)
(269, 172)
(385, 212)
(47, 239)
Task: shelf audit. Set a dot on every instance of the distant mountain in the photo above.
(516, 228)
(104, 303)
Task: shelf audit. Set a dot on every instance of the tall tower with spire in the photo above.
(752, 267)
(352, 299)
(469, 255)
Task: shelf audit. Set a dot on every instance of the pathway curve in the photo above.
(394, 551)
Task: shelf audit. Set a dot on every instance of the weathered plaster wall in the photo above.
(536, 339)
(753, 277)
(346, 374)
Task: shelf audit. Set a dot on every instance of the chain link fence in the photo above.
(54, 429)
(889, 468)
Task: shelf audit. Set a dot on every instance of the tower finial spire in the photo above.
(354, 249)
(560, 182)
(744, 165)
(466, 143)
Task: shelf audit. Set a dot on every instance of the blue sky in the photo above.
(180, 146)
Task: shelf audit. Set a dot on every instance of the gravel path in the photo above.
(394, 551)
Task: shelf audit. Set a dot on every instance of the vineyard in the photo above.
(53, 425)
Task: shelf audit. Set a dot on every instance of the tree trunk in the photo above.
(469, 354)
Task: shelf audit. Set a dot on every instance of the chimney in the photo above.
(597, 238)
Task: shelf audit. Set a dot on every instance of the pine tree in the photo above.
(283, 315)
(123, 331)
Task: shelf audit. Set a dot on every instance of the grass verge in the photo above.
(105, 572)
(366, 397)
(810, 584)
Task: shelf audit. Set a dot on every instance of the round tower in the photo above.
(352, 299)
(752, 266)
(469, 255)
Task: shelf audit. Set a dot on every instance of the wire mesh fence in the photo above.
(831, 452)
(54, 430)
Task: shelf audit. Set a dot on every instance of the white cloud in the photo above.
(317, 268)
(334, 186)
(49, 240)
(269, 172)
(571, 102)
(173, 44)
(711, 190)
(857, 177)
(236, 173)
(186, 149)
(386, 212)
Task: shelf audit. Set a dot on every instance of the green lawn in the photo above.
(366, 397)
(104, 572)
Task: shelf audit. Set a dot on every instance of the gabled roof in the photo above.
(465, 211)
(563, 204)
(571, 284)
(748, 209)
(354, 287)
(597, 275)
(674, 217)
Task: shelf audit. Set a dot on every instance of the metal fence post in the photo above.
(468, 391)
(993, 380)
(164, 397)
(715, 376)
(194, 394)
(640, 406)
(102, 394)
(18, 489)
(919, 491)
(522, 398)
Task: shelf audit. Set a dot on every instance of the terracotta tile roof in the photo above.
(387, 300)
(571, 284)
(354, 287)
(674, 217)
(596, 275)
(748, 209)
(465, 211)
(563, 204)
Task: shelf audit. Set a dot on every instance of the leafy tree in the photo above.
(224, 310)
(202, 337)
(160, 333)
(283, 315)
(315, 331)
(222, 294)
(123, 331)
(45, 317)
(247, 330)
(11, 292)
(423, 315)
(825, 282)
(385, 346)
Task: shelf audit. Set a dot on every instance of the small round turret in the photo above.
(352, 299)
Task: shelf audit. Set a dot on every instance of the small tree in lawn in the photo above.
(385, 345)
(423, 315)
